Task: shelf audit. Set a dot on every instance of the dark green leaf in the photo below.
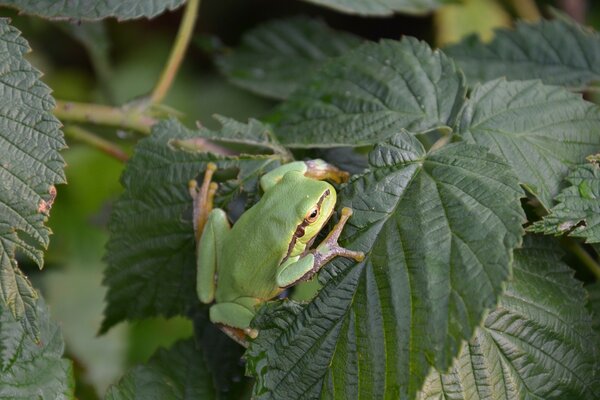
(30, 166)
(578, 211)
(541, 131)
(382, 7)
(557, 52)
(438, 230)
(371, 93)
(280, 56)
(537, 344)
(93, 9)
(175, 374)
(151, 247)
(30, 369)
(593, 304)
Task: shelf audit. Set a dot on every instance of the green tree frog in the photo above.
(268, 249)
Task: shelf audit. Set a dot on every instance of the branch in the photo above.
(176, 57)
(85, 136)
(123, 118)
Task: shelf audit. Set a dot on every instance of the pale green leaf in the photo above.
(537, 344)
(30, 369)
(371, 93)
(30, 166)
(438, 231)
(557, 52)
(151, 250)
(382, 7)
(280, 56)
(541, 131)
(175, 374)
(93, 9)
(578, 210)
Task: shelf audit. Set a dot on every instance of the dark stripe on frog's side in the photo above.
(300, 229)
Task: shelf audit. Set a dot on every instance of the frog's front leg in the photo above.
(302, 268)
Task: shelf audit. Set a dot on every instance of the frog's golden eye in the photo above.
(312, 215)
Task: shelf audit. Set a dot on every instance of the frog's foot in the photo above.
(203, 198)
(320, 170)
(234, 320)
(329, 247)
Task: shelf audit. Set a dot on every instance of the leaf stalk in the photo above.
(83, 135)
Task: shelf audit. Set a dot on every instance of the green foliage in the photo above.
(557, 52)
(30, 166)
(537, 344)
(373, 92)
(438, 230)
(175, 374)
(280, 56)
(151, 251)
(593, 305)
(578, 211)
(93, 9)
(540, 130)
(382, 7)
(30, 369)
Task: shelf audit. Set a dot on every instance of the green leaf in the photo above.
(578, 211)
(371, 93)
(382, 7)
(280, 56)
(541, 131)
(93, 9)
(557, 52)
(537, 344)
(30, 166)
(438, 231)
(593, 304)
(151, 250)
(30, 369)
(174, 374)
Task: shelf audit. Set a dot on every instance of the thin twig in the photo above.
(583, 256)
(80, 134)
(176, 57)
(123, 118)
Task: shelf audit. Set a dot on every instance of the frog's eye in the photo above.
(312, 215)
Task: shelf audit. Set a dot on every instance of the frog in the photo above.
(268, 249)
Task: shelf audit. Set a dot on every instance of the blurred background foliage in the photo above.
(116, 63)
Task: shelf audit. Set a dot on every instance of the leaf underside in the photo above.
(438, 230)
(280, 56)
(93, 9)
(578, 211)
(557, 52)
(537, 344)
(541, 131)
(382, 7)
(30, 166)
(371, 93)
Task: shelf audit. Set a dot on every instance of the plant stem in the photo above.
(176, 57)
(85, 136)
(526, 9)
(124, 118)
(583, 256)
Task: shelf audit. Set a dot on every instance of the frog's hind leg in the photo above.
(234, 319)
(203, 198)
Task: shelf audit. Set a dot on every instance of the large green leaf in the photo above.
(538, 343)
(578, 211)
(438, 230)
(557, 52)
(280, 56)
(151, 247)
(382, 7)
(30, 166)
(593, 305)
(371, 93)
(93, 9)
(30, 369)
(175, 374)
(540, 130)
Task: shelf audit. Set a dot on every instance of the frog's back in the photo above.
(262, 233)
